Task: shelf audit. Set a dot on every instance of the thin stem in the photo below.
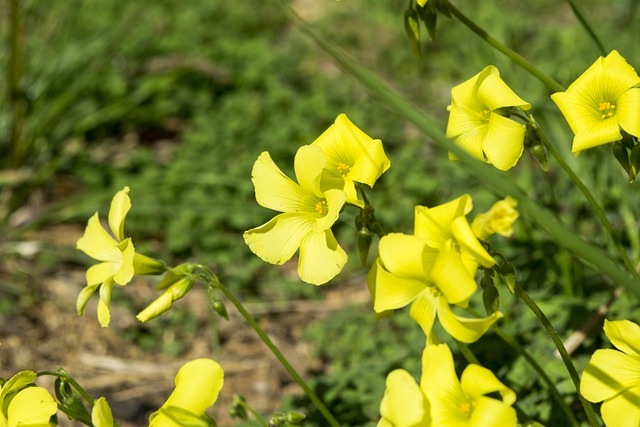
(575, 378)
(587, 27)
(592, 201)
(214, 281)
(64, 375)
(467, 353)
(502, 48)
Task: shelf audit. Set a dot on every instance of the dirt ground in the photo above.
(49, 334)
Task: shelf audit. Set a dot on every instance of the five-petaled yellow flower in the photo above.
(119, 260)
(198, 384)
(497, 220)
(443, 400)
(613, 376)
(23, 405)
(351, 156)
(309, 211)
(603, 100)
(477, 121)
(432, 269)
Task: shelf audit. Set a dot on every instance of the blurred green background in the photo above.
(177, 100)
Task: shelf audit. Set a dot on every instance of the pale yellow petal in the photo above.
(275, 190)
(406, 256)
(198, 384)
(622, 410)
(101, 415)
(120, 205)
(321, 258)
(31, 407)
(503, 142)
(84, 296)
(403, 403)
(464, 119)
(608, 373)
(104, 303)
(466, 94)
(618, 76)
(472, 143)
(464, 329)
(477, 381)
(450, 275)
(602, 132)
(392, 292)
(371, 163)
(15, 383)
(126, 271)
(96, 242)
(469, 244)
(277, 240)
(625, 335)
(580, 113)
(423, 310)
(434, 223)
(98, 273)
(493, 413)
(308, 164)
(334, 200)
(494, 93)
(628, 111)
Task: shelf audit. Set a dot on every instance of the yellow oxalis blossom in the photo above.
(497, 220)
(23, 405)
(613, 376)
(308, 214)
(351, 156)
(477, 123)
(441, 400)
(432, 269)
(603, 100)
(198, 384)
(119, 260)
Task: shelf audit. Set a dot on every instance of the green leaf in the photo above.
(412, 27)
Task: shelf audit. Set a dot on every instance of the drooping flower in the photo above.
(443, 400)
(198, 384)
(477, 119)
(24, 405)
(613, 376)
(351, 156)
(173, 292)
(308, 212)
(497, 220)
(603, 100)
(119, 260)
(432, 269)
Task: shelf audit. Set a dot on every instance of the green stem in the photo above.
(214, 281)
(587, 27)
(592, 201)
(575, 378)
(467, 353)
(64, 375)
(500, 47)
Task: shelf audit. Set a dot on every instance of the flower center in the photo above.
(607, 109)
(343, 168)
(466, 407)
(321, 207)
(484, 115)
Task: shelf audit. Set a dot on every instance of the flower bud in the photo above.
(165, 301)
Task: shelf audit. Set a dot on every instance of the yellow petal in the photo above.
(622, 410)
(277, 240)
(198, 384)
(274, 190)
(599, 133)
(494, 93)
(462, 328)
(434, 223)
(84, 296)
(406, 256)
(96, 242)
(391, 291)
(403, 403)
(618, 75)
(465, 119)
(334, 200)
(493, 413)
(371, 163)
(104, 314)
(472, 143)
(423, 310)
(120, 205)
(469, 244)
(321, 258)
(101, 415)
(608, 373)
(450, 275)
(308, 164)
(98, 273)
(628, 111)
(503, 142)
(625, 335)
(32, 407)
(126, 271)
(15, 383)
(477, 381)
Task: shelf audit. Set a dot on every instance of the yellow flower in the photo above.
(441, 400)
(101, 415)
(308, 214)
(603, 100)
(477, 121)
(22, 405)
(351, 156)
(174, 292)
(499, 219)
(119, 260)
(613, 376)
(198, 384)
(432, 269)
